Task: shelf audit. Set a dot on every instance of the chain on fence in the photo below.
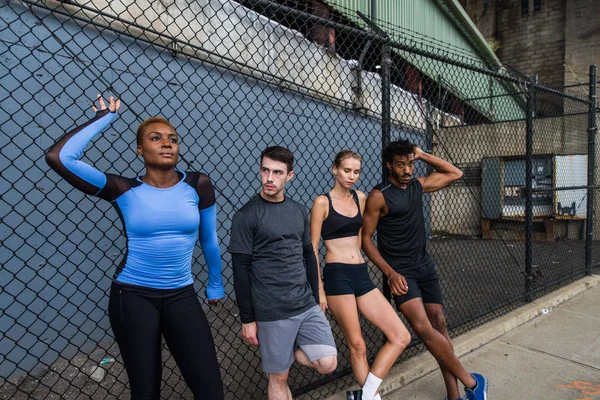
(233, 78)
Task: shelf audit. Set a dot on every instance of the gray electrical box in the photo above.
(503, 187)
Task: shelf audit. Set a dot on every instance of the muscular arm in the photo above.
(63, 156)
(445, 173)
(373, 210)
(208, 237)
(362, 201)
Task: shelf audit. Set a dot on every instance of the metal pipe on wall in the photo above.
(529, 194)
(591, 171)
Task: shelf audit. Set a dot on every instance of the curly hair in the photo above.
(400, 147)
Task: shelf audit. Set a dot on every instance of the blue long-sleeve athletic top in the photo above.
(161, 225)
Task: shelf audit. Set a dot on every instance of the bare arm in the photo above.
(444, 174)
(374, 209)
(317, 216)
(362, 202)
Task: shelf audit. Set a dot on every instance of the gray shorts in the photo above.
(278, 339)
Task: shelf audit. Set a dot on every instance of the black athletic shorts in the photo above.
(423, 282)
(340, 278)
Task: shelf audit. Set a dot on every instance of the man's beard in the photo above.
(397, 176)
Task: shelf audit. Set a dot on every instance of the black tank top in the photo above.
(401, 232)
(337, 226)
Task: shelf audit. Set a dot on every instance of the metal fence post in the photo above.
(230, 102)
(385, 100)
(529, 193)
(373, 10)
(591, 172)
(385, 125)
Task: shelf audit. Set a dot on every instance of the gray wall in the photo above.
(470, 144)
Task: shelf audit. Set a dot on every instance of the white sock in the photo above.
(370, 387)
(377, 397)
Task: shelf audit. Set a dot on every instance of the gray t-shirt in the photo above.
(274, 234)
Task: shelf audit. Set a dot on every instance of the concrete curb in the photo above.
(419, 366)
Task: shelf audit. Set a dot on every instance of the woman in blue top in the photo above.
(337, 218)
(163, 213)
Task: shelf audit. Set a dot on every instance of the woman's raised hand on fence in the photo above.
(113, 104)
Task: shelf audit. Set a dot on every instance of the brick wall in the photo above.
(533, 43)
(483, 15)
(559, 43)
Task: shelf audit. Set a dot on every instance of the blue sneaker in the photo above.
(479, 392)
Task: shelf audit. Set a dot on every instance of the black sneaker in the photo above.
(354, 394)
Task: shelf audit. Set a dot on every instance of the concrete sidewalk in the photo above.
(526, 354)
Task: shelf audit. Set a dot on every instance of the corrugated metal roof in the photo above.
(441, 20)
(445, 25)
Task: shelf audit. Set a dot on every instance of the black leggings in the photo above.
(139, 315)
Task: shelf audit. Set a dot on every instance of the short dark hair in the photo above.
(400, 147)
(150, 121)
(280, 154)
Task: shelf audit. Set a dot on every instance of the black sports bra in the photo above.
(337, 226)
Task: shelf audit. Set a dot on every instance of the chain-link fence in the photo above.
(233, 78)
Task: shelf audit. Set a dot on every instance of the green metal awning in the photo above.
(443, 26)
